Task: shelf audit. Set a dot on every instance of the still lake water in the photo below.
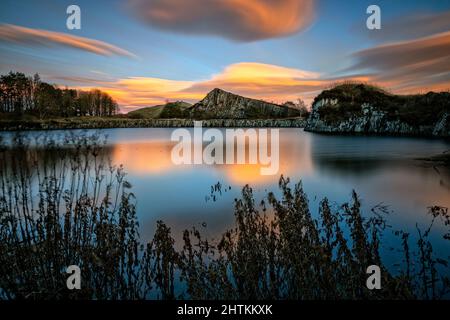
(383, 170)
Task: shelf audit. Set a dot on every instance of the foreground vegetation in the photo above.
(66, 205)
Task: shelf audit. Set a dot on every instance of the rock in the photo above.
(219, 104)
(372, 121)
(442, 127)
(358, 108)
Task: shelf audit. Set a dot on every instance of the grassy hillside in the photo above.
(420, 109)
(146, 113)
(166, 111)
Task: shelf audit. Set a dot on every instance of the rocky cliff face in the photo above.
(372, 120)
(219, 104)
(442, 127)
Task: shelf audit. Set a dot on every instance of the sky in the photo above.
(147, 52)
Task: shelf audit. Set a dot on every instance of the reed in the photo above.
(66, 204)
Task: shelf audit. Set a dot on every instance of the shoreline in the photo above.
(61, 124)
(117, 123)
(421, 135)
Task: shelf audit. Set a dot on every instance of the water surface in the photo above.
(383, 170)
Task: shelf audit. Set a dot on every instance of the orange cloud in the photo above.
(257, 80)
(263, 81)
(241, 20)
(279, 84)
(28, 36)
(135, 92)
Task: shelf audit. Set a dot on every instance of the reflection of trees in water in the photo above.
(64, 205)
(81, 211)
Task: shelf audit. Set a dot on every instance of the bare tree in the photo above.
(300, 105)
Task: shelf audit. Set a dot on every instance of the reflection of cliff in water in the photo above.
(359, 156)
(350, 166)
(358, 167)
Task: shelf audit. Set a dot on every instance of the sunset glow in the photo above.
(162, 51)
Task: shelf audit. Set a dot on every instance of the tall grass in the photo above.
(63, 206)
(66, 204)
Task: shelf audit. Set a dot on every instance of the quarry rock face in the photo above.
(442, 127)
(219, 104)
(372, 121)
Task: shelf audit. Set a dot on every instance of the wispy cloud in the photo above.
(411, 26)
(34, 37)
(402, 67)
(241, 20)
(409, 65)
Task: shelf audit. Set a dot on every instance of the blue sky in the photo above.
(181, 55)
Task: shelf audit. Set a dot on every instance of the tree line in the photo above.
(21, 94)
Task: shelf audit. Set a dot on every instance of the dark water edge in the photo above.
(109, 123)
(416, 134)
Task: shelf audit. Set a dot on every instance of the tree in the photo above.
(48, 99)
(300, 105)
(15, 93)
(20, 94)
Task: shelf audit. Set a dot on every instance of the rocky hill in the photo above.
(364, 109)
(219, 104)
